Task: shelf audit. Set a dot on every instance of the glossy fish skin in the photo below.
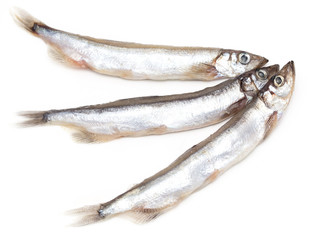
(204, 162)
(157, 115)
(139, 61)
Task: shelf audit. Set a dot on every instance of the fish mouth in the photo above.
(262, 61)
(257, 61)
(292, 67)
(272, 70)
(288, 69)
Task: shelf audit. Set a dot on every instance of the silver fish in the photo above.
(139, 61)
(204, 162)
(157, 115)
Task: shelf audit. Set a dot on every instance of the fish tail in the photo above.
(34, 118)
(87, 215)
(95, 213)
(32, 25)
(79, 134)
(25, 20)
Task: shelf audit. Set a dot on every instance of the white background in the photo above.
(43, 173)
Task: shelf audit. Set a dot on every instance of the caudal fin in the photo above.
(86, 215)
(25, 20)
(96, 213)
(32, 25)
(33, 118)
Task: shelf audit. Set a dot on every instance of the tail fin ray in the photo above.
(33, 118)
(87, 215)
(25, 20)
(92, 214)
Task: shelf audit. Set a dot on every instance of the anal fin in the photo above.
(83, 136)
(60, 57)
(144, 215)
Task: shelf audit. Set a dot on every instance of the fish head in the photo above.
(277, 93)
(254, 80)
(231, 63)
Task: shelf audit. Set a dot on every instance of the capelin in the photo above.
(25, 20)
(271, 70)
(262, 60)
(254, 80)
(232, 63)
(256, 61)
(262, 75)
(277, 93)
(289, 73)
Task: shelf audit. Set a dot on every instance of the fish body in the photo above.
(204, 162)
(160, 114)
(140, 61)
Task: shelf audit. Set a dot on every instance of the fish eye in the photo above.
(262, 74)
(279, 81)
(244, 58)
